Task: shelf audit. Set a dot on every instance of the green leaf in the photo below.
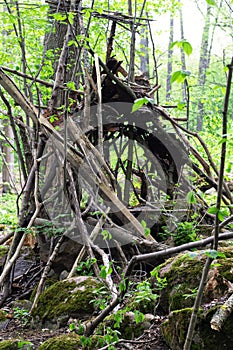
(191, 198)
(139, 316)
(221, 215)
(103, 272)
(71, 85)
(211, 2)
(213, 210)
(212, 253)
(59, 16)
(141, 102)
(187, 47)
(184, 44)
(179, 76)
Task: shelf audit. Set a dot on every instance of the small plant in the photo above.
(26, 345)
(102, 298)
(144, 293)
(161, 283)
(21, 315)
(192, 294)
(85, 267)
(185, 232)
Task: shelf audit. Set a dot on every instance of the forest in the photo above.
(116, 185)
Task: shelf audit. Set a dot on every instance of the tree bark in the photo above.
(169, 59)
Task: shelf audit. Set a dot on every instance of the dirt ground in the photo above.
(150, 340)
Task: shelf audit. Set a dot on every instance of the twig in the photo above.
(46, 271)
(42, 82)
(93, 236)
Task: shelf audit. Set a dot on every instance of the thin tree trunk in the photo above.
(8, 160)
(144, 58)
(169, 61)
(203, 66)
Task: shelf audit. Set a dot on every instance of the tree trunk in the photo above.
(169, 61)
(144, 58)
(203, 65)
(8, 161)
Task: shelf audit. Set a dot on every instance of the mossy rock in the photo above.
(15, 344)
(183, 274)
(3, 319)
(65, 299)
(174, 331)
(72, 342)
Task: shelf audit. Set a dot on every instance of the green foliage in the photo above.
(22, 315)
(213, 254)
(8, 210)
(138, 103)
(144, 293)
(161, 283)
(222, 212)
(211, 2)
(146, 229)
(185, 232)
(102, 298)
(85, 268)
(184, 44)
(192, 294)
(190, 197)
(180, 76)
(26, 345)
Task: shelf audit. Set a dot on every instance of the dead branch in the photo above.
(175, 250)
(40, 81)
(222, 314)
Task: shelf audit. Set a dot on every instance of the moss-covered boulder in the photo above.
(65, 299)
(15, 344)
(183, 274)
(174, 331)
(72, 342)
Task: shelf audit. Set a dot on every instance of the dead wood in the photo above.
(222, 314)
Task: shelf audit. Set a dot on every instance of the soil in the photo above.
(150, 340)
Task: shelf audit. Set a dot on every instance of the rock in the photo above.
(21, 304)
(174, 331)
(183, 273)
(3, 319)
(72, 342)
(66, 256)
(64, 299)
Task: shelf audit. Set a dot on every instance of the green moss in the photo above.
(64, 342)
(14, 344)
(66, 299)
(225, 268)
(183, 274)
(175, 328)
(3, 315)
(72, 342)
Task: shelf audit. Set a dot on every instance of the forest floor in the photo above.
(150, 340)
